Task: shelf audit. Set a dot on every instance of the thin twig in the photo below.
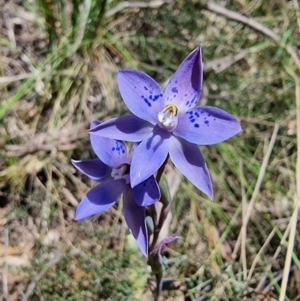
(10, 79)
(296, 5)
(218, 9)
(214, 7)
(290, 248)
(294, 218)
(273, 259)
(274, 281)
(137, 4)
(244, 232)
(5, 269)
(257, 188)
(223, 63)
(258, 256)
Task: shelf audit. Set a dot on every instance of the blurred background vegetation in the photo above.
(58, 64)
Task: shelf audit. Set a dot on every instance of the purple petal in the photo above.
(111, 152)
(189, 160)
(184, 88)
(135, 219)
(94, 168)
(164, 243)
(146, 193)
(206, 125)
(94, 123)
(126, 128)
(142, 94)
(149, 156)
(100, 198)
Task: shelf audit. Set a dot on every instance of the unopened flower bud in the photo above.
(150, 225)
(165, 192)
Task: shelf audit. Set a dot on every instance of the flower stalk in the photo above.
(163, 125)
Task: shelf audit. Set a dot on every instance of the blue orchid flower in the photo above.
(111, 169)
(169, 123)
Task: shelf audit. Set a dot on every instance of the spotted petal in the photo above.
(149, 156)
(111, 152)
(142, 94)
(206, 125)
(146, 193)
(189, 160)
(100, 198)
(135, 219)
(126, 128)
(94, 168)
(184, 88)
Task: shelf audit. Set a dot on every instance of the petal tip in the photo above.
(211, 196)
(75, 162)
(79, 216)
(134, 182)
(94, 123)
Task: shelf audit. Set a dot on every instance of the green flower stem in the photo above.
(154, 261)
(159, 282)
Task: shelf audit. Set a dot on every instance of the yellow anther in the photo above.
(172, 109)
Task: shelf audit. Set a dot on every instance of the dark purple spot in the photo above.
(150, 97)
(160, 95)
(113, 149)
(145, 88)
(197, 114)
(201, 112)
(214, 118)
(147, 102)
(206, 122)
(174, 90)
(187, 103)
(191, 117)
(196, 125)
(193, 120)
(208, 115)
(185, 94)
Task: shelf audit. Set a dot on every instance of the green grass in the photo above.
(72, 53)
